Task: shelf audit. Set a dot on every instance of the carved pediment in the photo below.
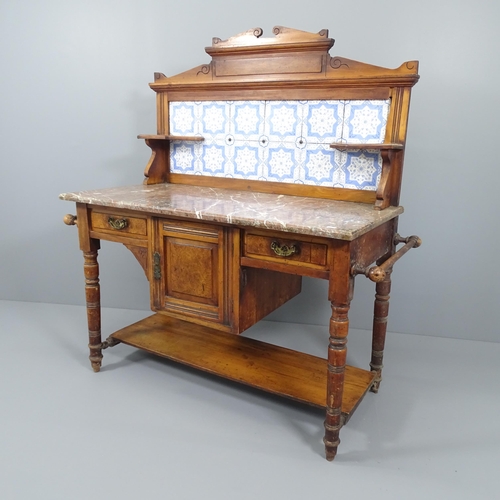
(289, 57)
(285, 39)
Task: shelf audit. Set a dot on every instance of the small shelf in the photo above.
(274, 369)
(171, 137)
(382, 146)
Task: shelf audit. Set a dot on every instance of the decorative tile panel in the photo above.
(280, 141)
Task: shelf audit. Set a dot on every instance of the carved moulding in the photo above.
(290, 56)
(289, 37)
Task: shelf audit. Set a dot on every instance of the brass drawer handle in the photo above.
(283, 250)
(118, 224)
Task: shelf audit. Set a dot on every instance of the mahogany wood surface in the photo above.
(278, 370)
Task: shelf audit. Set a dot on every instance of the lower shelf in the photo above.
(278, 370)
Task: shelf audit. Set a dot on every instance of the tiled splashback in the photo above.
(280, 141)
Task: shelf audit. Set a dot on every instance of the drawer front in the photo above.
(276, 248)
(119, 223)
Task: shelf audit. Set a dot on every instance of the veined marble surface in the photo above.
(294, 214)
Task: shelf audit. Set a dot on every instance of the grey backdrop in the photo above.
(74, 95)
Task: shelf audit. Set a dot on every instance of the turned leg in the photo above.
(93, 298)
(380, 314)
(337, 354)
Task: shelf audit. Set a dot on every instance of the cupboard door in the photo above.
(193, 280)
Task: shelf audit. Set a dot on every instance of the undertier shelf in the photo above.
(301, 377)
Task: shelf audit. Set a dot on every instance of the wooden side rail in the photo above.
(378, 273)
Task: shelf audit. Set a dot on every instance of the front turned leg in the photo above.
(380, 314)
(337, 354)
(93, 299)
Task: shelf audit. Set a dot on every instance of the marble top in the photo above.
(294, 214)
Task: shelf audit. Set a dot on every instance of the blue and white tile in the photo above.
(280, 141)
(322, 121)
(210, 119)
(362, 169)
(184, 157)
(365, 121)
(320, 163)
(213, 159)
(247, 120)
(282, 163)
(214, 119)
(184, 118)
(283, 121)
(246, 161)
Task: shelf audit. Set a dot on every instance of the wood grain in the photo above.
(331, 193)
(163, 137)
(262, 291)
(274, 369)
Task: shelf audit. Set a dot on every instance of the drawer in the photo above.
(276, 248)
(116, 222)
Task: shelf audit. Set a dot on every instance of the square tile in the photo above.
(362, 169)
(246, 160)
(213, 159)
(214, 119)
(320, 164)
(247, 120)
(184, 118)
(323, 121)
(365, 121)
(283, 121)
(184, 156)
(282, 163)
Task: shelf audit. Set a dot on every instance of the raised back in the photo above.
(281, 115)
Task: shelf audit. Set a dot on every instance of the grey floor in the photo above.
(146, 428)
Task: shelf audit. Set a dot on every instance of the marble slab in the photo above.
(294, 214)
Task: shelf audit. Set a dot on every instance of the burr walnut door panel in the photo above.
(191, 271)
